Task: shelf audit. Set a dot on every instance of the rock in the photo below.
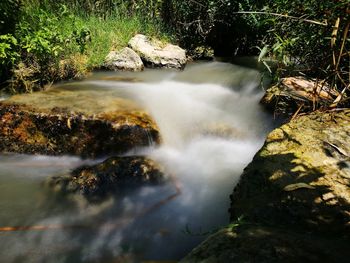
(294, 198)
(254, 243)
(300, 179)
(126, 59)
(202, 53)
(293, 92)
(155, 54)
(97, 181)
(85, 123)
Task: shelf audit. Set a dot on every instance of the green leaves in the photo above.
(8, 50)
(9, 14)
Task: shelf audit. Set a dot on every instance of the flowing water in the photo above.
(211, 126)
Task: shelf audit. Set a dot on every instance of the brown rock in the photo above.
(293, 92)
(82, 123)
(97, 181)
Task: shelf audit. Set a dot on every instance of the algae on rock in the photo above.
(301, 176)
(81, 123)
(99, 180)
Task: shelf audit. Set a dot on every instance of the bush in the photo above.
(31, 56)
(300, 35)
(10, 13)
(55, 40)
(214, 23)
(307, 41)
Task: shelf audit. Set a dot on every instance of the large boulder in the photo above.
(126, 59)
(298, 93)
(99, 180)
(255, 243)
(301, 177)
(156, 54)
(294, 198)
(84, 123)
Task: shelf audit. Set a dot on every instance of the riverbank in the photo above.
(53, 42)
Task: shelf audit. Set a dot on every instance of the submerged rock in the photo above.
(126, 59)
(84, 123)
(99, 180)
(156, 54)
(301, 176)
(293, 93)
(221, 130)
(254, 243)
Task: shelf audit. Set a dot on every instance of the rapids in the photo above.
(211, 125)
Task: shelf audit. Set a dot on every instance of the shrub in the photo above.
(309, 40)
(10, 13)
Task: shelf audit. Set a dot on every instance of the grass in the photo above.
(80, 42)
(114, 33)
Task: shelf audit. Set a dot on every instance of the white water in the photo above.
(189, 107)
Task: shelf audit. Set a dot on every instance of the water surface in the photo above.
(211, 124)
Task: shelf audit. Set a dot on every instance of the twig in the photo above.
(346, 31)
(285, 16)
(334, 38)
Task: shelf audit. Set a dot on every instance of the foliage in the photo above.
(214, 23)
(8, 54)
(300, 36)
(307, 40)
(61, 39)
(10, 12)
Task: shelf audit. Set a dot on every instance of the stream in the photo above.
(211, 125)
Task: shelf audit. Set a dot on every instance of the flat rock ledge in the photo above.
(261, 244)
(298, 93)
(97, 181)
(83, 123)
(294, 197)
(156, 54)
(125, 59)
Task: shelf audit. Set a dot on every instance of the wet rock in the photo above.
(84, 123)
(300, 178)
(254, 243)
(156, 54)
(294, 92)
(126, 59)
(97, 181)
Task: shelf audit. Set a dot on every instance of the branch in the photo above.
(285, 16)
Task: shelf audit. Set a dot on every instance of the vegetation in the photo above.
(303, 37)
(42, 41)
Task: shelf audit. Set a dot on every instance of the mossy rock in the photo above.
(84, 123)
(258, 244)
(300, 178)
(97, 181)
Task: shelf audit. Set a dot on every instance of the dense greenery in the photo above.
(45, 40)
(303, 37)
